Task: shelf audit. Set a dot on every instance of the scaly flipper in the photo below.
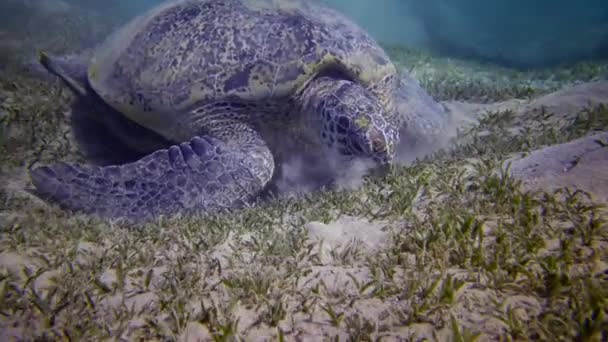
(204, 175)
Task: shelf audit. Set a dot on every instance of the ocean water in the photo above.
(514, 33)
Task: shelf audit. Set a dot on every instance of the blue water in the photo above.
(517, 33)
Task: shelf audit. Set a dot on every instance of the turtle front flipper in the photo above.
(202, 175)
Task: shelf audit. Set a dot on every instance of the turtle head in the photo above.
(352, 120)
(360, 133)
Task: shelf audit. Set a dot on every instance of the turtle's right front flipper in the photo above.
(204, 174)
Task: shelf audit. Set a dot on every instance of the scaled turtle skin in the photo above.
(223, 81)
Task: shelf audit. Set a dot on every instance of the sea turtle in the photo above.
(221, 81)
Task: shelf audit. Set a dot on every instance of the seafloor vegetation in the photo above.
(454, 79)
(468, 252)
